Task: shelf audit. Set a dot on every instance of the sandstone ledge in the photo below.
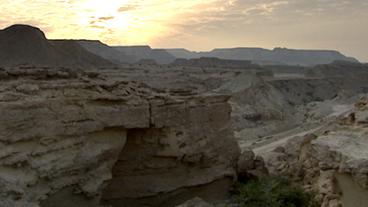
(79, 137)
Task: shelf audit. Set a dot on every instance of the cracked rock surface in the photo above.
(72, 138)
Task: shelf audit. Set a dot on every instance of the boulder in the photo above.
(250, 166)
(246, 161)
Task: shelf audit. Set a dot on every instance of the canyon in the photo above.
(86, 124)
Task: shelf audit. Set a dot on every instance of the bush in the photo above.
(273, 192)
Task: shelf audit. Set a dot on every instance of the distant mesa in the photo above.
(27, 45)
(337, 69)
(277, 56)
(146, 52)
(98, 48)
(210, 62)
(182, 53)
(24, 44)
(127, 54)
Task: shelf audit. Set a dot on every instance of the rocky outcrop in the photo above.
(71, 138)
(329, 159)
(250, 166)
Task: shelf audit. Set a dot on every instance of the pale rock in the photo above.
(28, 88)
(195, 202)
(79, 140)
(361, 117)
(317, 159)
(246, 161)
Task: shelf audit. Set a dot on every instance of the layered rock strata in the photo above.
(70, 138)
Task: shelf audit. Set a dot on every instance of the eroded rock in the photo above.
(317, 160)
(250, 166)
(195, 202)
(80, 138)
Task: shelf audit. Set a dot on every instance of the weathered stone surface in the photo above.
(195, 202)
(250, 166)
(186, 133)
(316, 160)
(246, 161)
(362, 117)
(66, 139)
(214, 62)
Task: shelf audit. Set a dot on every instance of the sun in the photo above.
(108, 22)
(126, 22)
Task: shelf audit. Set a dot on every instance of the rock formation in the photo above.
(195, 202)
(277, 56)
(181, 53)
(146, 52)
(107, 52)
(214, 63)
(22, 44)
(147, 62)
(332, 161)
(26, 45)
(145, 134)
(250, 166)
(72, 138)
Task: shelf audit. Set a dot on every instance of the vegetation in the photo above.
(273, 192)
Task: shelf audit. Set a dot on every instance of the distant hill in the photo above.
(214, 63)
(23, 44)
(161, 56)
(338, 69)
(262, 56)
(107, 52)
(182, 53)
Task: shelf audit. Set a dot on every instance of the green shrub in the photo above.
(273, 192)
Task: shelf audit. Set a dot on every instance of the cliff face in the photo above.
(332, 161)
(188, 145)
(72, 138)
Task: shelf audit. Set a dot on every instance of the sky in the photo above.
(201, 24)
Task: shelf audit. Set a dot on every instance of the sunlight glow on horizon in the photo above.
(125, 21)
(114, 22)
(200, 24)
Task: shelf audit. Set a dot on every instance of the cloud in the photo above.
(264, 8)
(105, 18)
(97, 27)
(126, 8)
